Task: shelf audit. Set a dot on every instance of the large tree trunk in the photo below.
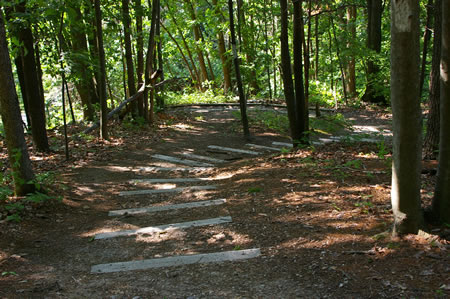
(85, 83)
(128, 54)
(441, 200)
(197, 38)
(35, 103)
(12, 122)
(375, 12)
(350, 73)
(431, 143)
(407, 124)
(242, 100)
(301, 110)
(101, 72)
(140, 54)
(149, 60)
(296, 132)
(222, 50)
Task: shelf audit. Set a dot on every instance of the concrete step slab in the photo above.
(173, 190)
(205, 158)
(234, 150)
(170, 169)
(181, 161)
(269, 148)
(189, 205)
(162, 228)
(282, 144)
(216, 257)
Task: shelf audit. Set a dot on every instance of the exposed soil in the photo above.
(319, 215)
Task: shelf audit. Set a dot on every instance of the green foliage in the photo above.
(254, 190)
(189, 97)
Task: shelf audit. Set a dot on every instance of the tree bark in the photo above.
(407, 124)
(197, 38)
(80, 68)
(12, 122)
(140, 54)
(301, 109)
(101, 72)
(222, 50)
(431, 143)
(128, 54)
(426, 41)
(441, 200)
(242, 100)
(350, 73)
(149, 59)
(375, 12)
(35, 104)
(289, 94)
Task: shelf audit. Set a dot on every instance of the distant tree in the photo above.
(126, 20)
(441, 200)
(406, 112)
(12, 122)
(242, 100)
(101, 71)
(34, 99)
(431, 141)
(374, 36)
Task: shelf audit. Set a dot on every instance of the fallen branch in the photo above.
(139, 93)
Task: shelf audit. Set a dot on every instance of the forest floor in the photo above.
(320, 217)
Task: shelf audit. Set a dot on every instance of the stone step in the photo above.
(234, 150)
(216, 257)
(169, 169)
(162, 228)
(168, 181)
(282, 144)
(189, 205)
(173, 190)
(181, 161)
(206, 158)
(276, 149)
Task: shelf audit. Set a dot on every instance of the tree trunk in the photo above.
(431, 143)
(441, 200)
(128, 54)
(159, 91)
(242, 100)
(426, 41)
(140, 54)
(149, 59)
(197, 38)
(12, 121)
(316, 66)
(375, 12)
(80, 68)
(296, 132)
(301, 110)
(35, 104)
(222, 50)
(101, 72)
(350, 73)
(405, 97)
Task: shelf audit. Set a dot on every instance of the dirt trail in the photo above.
(316, 216)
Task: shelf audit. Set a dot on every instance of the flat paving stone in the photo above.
(173, 261)
(276, 149)
(282, 144)
(189, 205)
(235, 150)
(176, 180)
(181, 161)
(156, 191)
(162, 228)
(168, 169)
(213, 160)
